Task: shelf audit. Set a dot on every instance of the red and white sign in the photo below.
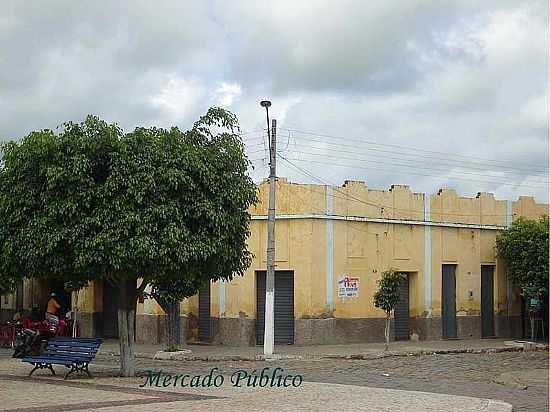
(348, 287)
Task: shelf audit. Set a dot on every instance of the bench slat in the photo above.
(67, 355)
(72, 348)
(76, 348)
(76, 344)
(76, 340)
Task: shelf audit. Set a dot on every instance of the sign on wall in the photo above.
(348, 287)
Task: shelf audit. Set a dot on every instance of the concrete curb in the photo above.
(497, 406)
(360, 356)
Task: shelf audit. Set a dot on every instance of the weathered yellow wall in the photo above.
(365, 250)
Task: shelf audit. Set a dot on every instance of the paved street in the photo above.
(502, 376)
(518, 378)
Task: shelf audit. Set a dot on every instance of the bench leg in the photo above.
(42, 366)
(36, 366)
(78, 368)
(85, 369)
(73, 369)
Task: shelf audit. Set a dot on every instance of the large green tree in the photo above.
(92, 203)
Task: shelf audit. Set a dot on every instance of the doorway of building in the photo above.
(487, 301)
(448, 301)
(19, 297)
(284, 307)
(401, 313)
(204, 314)
(110, 311)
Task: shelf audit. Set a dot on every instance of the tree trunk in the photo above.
(532, 322)
(387, 332)
(173, 325)
(126, 320)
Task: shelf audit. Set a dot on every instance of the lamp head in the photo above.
(265, 103)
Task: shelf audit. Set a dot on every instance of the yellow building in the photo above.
(332, 244)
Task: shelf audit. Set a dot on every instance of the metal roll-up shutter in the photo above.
(448, 304)
(487, 301)
(284, 307)
(260, 307)
(401, 313)
(204, 313)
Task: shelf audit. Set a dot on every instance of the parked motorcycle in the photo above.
(32, 340)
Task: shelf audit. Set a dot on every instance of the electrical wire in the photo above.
(324, 155)
(400, 148)
(347, 196)
(448, 162)
(416, 173)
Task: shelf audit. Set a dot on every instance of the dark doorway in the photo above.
(401, 312)
(19, 296)
(204, 314)
(448, 301)
(284, 307)
(110, 311)
(487, 301)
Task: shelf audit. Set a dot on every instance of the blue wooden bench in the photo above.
(74, 353)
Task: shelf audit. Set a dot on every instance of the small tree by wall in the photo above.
(387, 297)
(524, 247)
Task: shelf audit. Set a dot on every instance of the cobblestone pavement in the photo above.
(514, 377)
(519, 378)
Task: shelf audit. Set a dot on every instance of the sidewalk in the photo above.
(124, 395)
(349, 351)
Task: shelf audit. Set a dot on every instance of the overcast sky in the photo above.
(425, 93)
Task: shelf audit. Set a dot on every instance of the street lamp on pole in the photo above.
(269, 319)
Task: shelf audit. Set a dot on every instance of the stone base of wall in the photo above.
(468, 327)
(152, 328)
(90, 324)
(242, 331)
(426, 328)
(508, 326)
(335, 331)
(234, 331)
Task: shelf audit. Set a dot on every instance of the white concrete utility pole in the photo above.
(269, 329)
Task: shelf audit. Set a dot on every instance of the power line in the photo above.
(415, 173)
(406, 165)
(328, 183)
(347, 196)
(401, 147)
(451, 162)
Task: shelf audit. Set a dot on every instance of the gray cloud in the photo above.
(466, 78)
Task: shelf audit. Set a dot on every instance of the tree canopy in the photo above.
(524, 248)
(93, 203)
